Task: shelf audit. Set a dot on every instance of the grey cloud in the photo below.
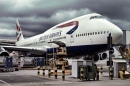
(124, 26)
(41, 24)
(110, 8)
(36, 16)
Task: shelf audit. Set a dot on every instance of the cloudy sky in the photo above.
(36, 16)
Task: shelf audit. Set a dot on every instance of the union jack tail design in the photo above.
(18, 32)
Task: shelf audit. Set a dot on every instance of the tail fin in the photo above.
(19, 32)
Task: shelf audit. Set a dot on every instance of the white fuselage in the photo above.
(91, 29)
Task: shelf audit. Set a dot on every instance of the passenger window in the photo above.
(86, 34)
(104, 32)
(98, 32)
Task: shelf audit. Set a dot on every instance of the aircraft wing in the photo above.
(32, 50)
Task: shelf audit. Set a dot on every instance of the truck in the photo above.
(59, 58)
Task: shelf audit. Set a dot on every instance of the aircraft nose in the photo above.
(117, 34)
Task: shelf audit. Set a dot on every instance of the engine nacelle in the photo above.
(92, 57)
(96, 58)
(87, 57)
(100, 57)
(4, 53)
(103, 56)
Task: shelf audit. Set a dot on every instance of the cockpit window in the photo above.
(96, 17)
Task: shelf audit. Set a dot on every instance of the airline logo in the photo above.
(56, 34)
(18, 28)
(18, 32)
(73, 23)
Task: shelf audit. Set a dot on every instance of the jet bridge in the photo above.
(125, 52)
(124, 45)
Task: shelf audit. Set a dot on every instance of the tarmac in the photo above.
(30, 78)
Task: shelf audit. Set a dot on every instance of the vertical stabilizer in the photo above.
(18, 31)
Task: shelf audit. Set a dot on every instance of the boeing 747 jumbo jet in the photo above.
(82, 36)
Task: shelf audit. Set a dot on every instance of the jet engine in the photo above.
(100, 57)
(103, 56)
(96, 57)
(4, 53)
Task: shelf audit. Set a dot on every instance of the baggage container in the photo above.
(6, 64)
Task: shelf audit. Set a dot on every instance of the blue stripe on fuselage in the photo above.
(72, 30)
(82, 50)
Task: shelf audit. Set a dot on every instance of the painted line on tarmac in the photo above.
(58, 82)
(5, 82)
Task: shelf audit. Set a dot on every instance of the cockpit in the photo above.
(96, 17)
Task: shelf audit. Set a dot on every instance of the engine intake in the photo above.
(96, 58)
(103, 56)
(4, 53)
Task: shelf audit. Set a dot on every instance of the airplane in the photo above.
(84, 35)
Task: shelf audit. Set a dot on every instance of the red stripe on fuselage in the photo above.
(68, 24)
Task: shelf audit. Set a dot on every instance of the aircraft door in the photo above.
(91, 40)
(71, 39)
